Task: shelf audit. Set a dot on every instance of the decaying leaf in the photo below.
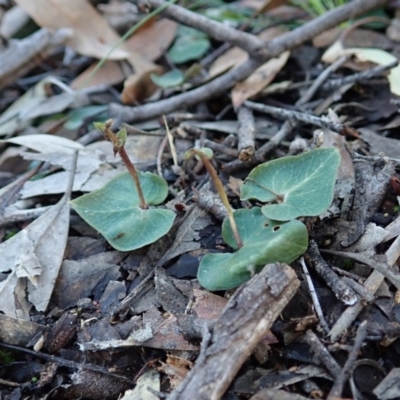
(14, 118)
(258, 80)
(236, 56)
(96, 163)
(92, 36)
(176, 368)
(376, 56)
(32, 259)
(152, 40)
(150, 378)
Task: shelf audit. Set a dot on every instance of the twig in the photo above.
(171, 142)
(285, 129)
(12, 215)
(307, 96)
(371, 284)
(221, 148)
(368, 74)
(248, 315)
(63, 362)
(372, 178)
(322, 353)
(210, 202)
(372, 261)
(9, 192)
(216, 30)
(160, 152)
(341, 379)
(9, 383)
(245, 134)
(341, 290)
(23, 55)
(314, 297)
(299, 116)
(223, 83)
(358, 288)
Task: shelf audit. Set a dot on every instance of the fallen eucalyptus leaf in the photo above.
(36, 253)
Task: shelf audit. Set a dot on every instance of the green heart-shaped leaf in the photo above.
(264, 241)
(114, 211)
(190, 44)
(302, 185)
(169, 79)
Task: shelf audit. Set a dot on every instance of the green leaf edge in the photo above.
(142, 176)
(270, 210)
(236, 278)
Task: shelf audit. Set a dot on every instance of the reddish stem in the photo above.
(222, 194)
(133, 172)
(118, 147)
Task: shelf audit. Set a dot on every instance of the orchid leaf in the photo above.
(300, 185)
(114, 211)
(264, 241)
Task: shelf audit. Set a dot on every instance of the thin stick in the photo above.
(216, 30)
(341, 379)
(300, 116)
(246, 131)
(171, 142)
(221, 191)
(322, 353)
(342, 292)
(314, 297)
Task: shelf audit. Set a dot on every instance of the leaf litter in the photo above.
(130, 320)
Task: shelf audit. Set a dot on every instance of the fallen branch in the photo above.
(214, 29)
(246, 318)
(223, 83)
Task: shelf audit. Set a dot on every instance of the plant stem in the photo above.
(132, 170)
(222, 194)
(118, 147)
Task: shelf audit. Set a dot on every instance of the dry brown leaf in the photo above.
(326, 38)
(258, 80)
(153, 40)
(138, 87)
(92, 36)
(176, 369)
(230, 58)
(208, 305)
(235, 184)
(111, 73)
(236, 56)
(150, 42)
